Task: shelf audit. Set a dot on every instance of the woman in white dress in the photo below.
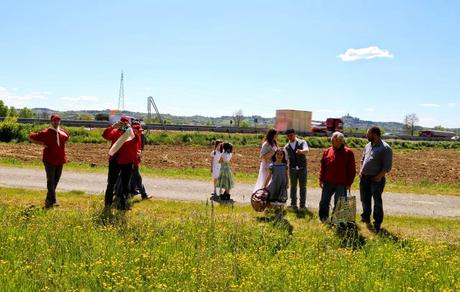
(215, 165)
(266, 153)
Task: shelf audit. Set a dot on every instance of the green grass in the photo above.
(11, 131)
(422, 187)
(164, 245)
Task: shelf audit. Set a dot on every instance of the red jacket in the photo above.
(128, 152)
(338, 166)
(52, 153)
(139, 149)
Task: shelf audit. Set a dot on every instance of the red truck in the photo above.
(330, 125)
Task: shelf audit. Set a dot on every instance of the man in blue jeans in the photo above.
(337, 173)
(376, 162)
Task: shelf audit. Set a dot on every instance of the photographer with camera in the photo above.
(122, 155)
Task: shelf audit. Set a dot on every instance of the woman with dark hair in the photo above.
(267, 151)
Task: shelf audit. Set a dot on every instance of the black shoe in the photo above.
(292, 208)
(51, 205)
(377, 228)
(146, 197)
(365, 220)
(224, 196)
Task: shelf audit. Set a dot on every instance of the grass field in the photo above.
(164, 245)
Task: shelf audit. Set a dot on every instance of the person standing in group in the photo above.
(267, 151)
(215, 165)
(376, 162)
(54, 156)
(122, 155)
(297, 150)
(277, 179)
(337, 173)
(135, 183)
(225, 180)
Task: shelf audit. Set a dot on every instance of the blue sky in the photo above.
(377, 60)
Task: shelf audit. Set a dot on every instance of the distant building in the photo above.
(295, 119)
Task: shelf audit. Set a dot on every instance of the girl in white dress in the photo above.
(225, 180)
(266, 153)
(215, 165)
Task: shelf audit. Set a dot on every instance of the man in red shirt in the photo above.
(135, 184)
(337, 173)
(122, 155)
(54, 139)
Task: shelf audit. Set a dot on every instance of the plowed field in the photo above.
(440, 166)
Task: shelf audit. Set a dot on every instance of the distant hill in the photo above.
(358, 124)
(171, 119)
(350, 122)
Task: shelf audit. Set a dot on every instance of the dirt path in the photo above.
(190, 190)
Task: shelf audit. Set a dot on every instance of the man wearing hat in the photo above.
(135, 184)
(297, 150)
(122, 155)
(54, 157)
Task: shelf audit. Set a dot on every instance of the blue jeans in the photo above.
(369, 190)
(326, 195)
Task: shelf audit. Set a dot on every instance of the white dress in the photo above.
(215, 163)
(264, 165)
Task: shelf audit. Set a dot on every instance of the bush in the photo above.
(8, 131)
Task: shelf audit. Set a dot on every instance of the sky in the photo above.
(376, 60)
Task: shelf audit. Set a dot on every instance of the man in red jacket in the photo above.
(337, 173)
(135, 184)
(54, 139)
(122, 155)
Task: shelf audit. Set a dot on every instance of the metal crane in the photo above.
(150, 104)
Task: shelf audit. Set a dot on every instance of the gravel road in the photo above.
(190, 190)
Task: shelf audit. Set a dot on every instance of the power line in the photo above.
(121, 95)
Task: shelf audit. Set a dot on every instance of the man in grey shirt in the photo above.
(375, 163)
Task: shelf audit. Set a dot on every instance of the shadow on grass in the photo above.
(218, 200)
(275, 217)
(107, 216)
(388, 235)
(349, 236)
(301, 214)
(31, 211)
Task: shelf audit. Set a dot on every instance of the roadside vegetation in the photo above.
(11, 131)
(164, 245)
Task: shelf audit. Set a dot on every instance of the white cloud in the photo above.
(80, 98)
(451, 104)
(12, 98)
(430, 105)
(365, 53)
(429, 122)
